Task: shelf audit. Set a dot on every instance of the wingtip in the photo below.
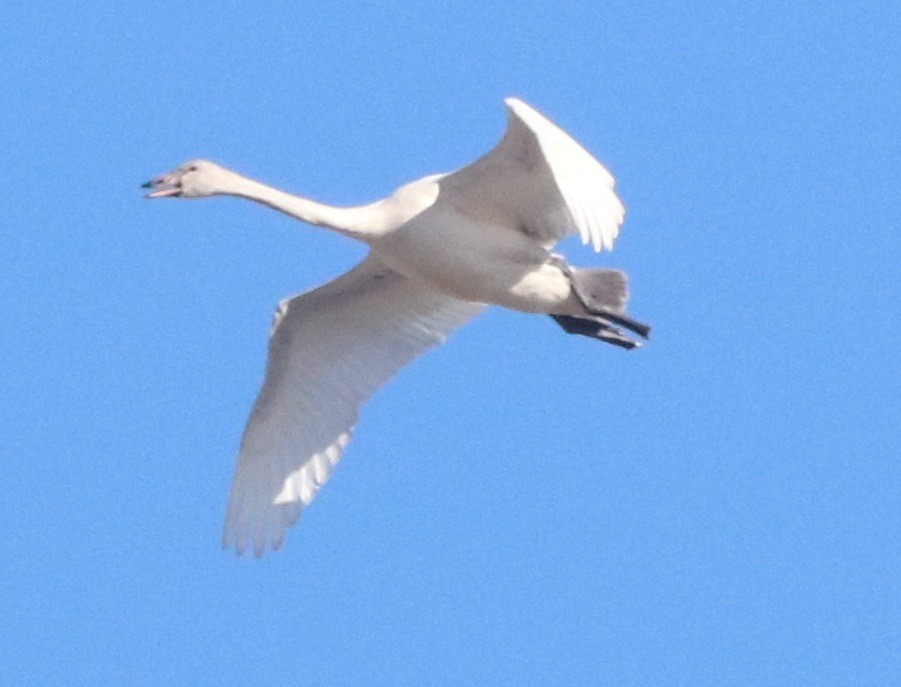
(516, 105)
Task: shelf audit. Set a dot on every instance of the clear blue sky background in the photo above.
(520, 506)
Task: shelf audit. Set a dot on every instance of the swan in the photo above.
(441, 249)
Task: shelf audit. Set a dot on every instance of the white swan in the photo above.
(441, 248)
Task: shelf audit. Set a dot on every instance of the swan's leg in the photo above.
(595, 329)
(639, 328)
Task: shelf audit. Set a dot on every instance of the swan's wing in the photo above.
(539, 180)
(329, 350)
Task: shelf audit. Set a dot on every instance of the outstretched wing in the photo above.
(329, 350)
(539, 180)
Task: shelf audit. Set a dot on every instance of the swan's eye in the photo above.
(192, 168)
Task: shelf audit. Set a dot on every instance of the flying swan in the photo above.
(441, 249)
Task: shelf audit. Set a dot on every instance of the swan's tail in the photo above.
(607, 289)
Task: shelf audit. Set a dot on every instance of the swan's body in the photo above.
(441, 249)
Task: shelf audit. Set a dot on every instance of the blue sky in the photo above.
(519, 506)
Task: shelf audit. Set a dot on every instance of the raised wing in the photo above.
(329, 350)
(541, 181)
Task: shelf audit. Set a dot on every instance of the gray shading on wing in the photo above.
(539, 179)
(329, 350)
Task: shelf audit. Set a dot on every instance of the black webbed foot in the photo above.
(595, 328)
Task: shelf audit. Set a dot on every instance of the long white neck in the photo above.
(364, 223)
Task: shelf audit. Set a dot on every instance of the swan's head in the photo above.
(194, 179)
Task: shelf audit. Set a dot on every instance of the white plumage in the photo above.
(540, 175)
(441, 249)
